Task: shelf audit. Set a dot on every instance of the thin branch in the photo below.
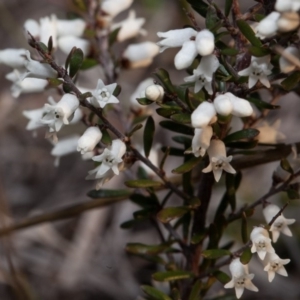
(278, 214)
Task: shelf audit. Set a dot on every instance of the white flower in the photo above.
(218, 160)
(14, 58)
(288, 21)
(34, 117)
(61, 113)
(280, 224)
(268, 26)
(274, 264)
(223, 105)
(64, 147)
(74, 27)
(201, 141)
(154, 92)
(258, 70)
(203, 74)
(285, 65)
(33, 27)
(261, 242)
(103, 94)
(203, 114)
(140, 93)
(130, 27)
(287, 5)
(90, 138)
(205, 42)
(240, 107)
(175, 38)
(269, 134)
(37, 69)
(140, 55)
(186, 55)
(241, 279)
(48, 29)
(67, 42)
(111, 160)
(114, 7)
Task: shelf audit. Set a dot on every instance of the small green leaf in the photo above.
(293, 194)
(244, 229)
(227, 9)
(172, 275)
(43, 46)
(246, 256)
(291, 81)
(169, 213)
(50, 45)
(230, 190)
(106, 138)
(195, 292)
(54, 82)
(285, 165)
(76, 60)
(164, 78)
(215, 253)
(258, 17)
(181, 118)
(104, 193)
(142, 183)
(138, 248)
(249, 133)
(144, 214)
(148, 135)
(221, 276)
(181, 139)
(88, 63)
(144, 101)
(167, 112)
(230, 51)
(242, 145)
(199, 6)
(154, 293)
(187, 166)
(261, 104)
(248, 32)
(134, 129)
(258, 51)
(180, 128)
(112, 38)
(211, 19)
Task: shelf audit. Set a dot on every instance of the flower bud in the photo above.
(33, 27)
(287, 66)
(268, 26)
(66, 43)
(287, 5)
(154, 92)
(48, 29)
(240, 107)
(186, 55)
(223, 105)
(205, 42)
(201, 140)
(88, 141)
(288, 21)
(74, 27)
(203, 114)
(114, 7)
(14, 58)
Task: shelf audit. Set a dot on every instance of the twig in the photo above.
(278, 214)
(288, 56)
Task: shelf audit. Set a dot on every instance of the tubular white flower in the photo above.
(280, 224)
(61, 113)
(258, 70)
(218, 160)
(285, 65)
(67, 42)
(111, 161)
(103, 94)
(140, 93)
(154, 92)
(287, 5)
(274, 264)
(201, 141)
(269, 134)
(114, 7)
(14, 58)
(203, 115)
(205, 42)
(223, 105)
(186, 55)
(88, 141)
(140, 55)
(130, 27)
(74, 27)
(33, 27)
(268, 26)
(288, 21)
(241, 279)
(175, 38)
(48, 29)
(203, 74)
(261, 243)
(64, 147)
(240, 107)
(34, 117)
(36, 69)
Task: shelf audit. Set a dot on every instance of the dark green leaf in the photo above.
(181, 139)
(244, 229)
(228, 4)
(154, 293)
(117, 90)
(291, 81)
(112, 38)
(261, 104)
(181, 118)
(104, 193)
(211, 18)
(164, 78)
(199, 6)
(259, 17)
(167, 112)
(144, 214)
(187, 166)
(43, 46)
(258, 51)
(144, 101)
(230, 190)
(221, 276)
(249, 133)
(138, 248)
(50, 45)
(215, 253)
(246, 256)
(248, 32)
(142, 183)
(142, 173)
(230, 51)
(180, 128)
(169, 213)
(242, 145)
(148, 135)
(173, 151)
(195, 292)
(293, 194)
(143, 201)
(54, 82)
(172, 275)
(285, 165)
(88, 63)
(76, 60)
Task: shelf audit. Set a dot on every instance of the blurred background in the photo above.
(84, 257)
